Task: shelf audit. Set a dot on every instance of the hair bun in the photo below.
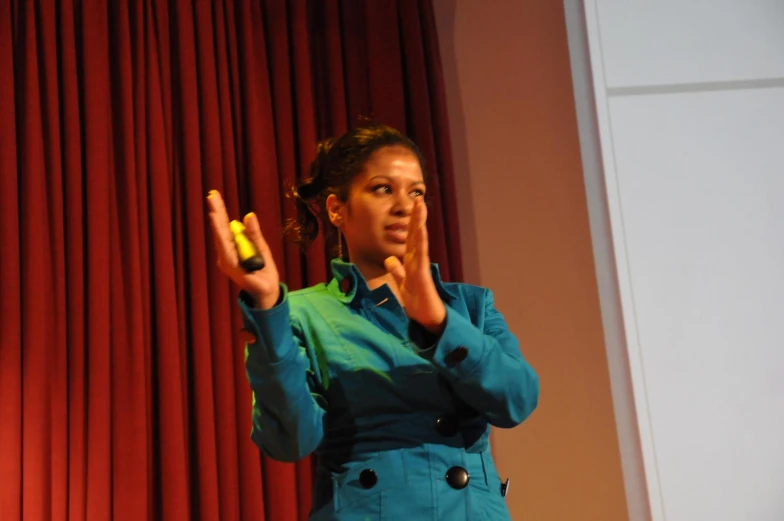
(307, 190)
(313, 186)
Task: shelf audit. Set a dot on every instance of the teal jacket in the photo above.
(399, 422)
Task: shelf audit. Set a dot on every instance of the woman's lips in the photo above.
(397, 232)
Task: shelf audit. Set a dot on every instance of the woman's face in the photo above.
(374, 219)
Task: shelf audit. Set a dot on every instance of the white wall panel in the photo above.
(681, 114)
(700, 181)
(665, 42)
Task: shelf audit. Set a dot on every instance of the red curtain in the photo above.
(122, 388)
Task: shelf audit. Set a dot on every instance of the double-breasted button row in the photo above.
(368, 478)
(456, 477)
(456, 356)
(447, 425)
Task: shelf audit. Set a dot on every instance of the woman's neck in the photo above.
(376, 276)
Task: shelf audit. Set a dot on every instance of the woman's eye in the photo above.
(418, 193)
(382, 189)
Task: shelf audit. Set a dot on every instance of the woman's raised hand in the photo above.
(264, 284)
(415, 282)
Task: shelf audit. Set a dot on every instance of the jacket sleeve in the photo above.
(288, 404)
(483, 364)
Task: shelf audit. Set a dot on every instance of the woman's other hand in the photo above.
(418, 292)
(264, 284)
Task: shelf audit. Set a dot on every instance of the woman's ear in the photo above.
(335, 209)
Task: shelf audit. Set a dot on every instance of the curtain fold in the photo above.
(122, 386)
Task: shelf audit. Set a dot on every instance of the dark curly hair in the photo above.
(338, 161)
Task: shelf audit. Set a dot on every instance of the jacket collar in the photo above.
(349, 285)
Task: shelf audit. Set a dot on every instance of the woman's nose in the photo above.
(404, 204)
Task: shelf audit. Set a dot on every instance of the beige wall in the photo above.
(525, 232)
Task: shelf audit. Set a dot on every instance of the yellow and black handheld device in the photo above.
(250, 258)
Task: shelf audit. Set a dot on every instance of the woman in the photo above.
(389, 375)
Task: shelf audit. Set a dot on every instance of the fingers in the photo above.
(422, 243)
(220, 218)
(217, 206)
(393, 266)
(417, 246)
(221, 232)
(413, 225)
(253, 231)
(226, 252)
(421, 208)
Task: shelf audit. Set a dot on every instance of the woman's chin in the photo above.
(396, 250)
(386, 249)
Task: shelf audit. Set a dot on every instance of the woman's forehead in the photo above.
(394, 163)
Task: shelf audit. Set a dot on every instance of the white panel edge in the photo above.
(614, 240)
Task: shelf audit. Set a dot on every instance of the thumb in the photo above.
(253, 231)
(394, 267)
